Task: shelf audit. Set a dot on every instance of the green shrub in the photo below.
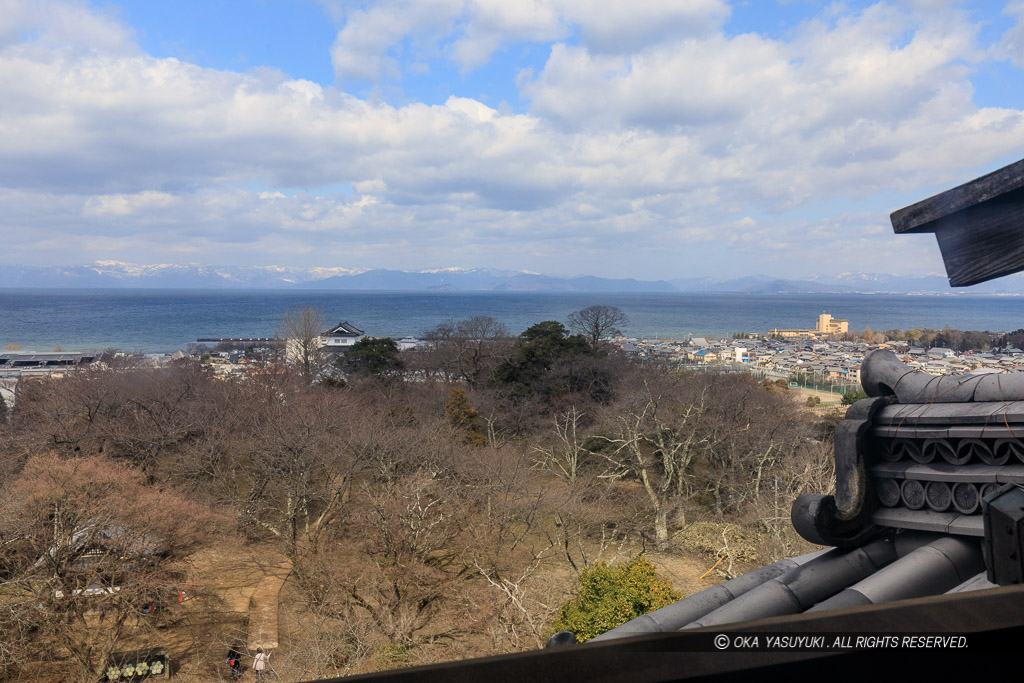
(852, 396)
(611, 596)
(393, 652)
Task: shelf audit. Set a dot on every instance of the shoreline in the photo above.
(162, 321)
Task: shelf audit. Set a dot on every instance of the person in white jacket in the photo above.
(260, 663)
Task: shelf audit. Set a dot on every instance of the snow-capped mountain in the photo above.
(937, 283)
(118, 274)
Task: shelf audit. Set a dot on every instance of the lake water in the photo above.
(165, 320)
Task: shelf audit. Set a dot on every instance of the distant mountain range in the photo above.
(115, 274)
(848, 283)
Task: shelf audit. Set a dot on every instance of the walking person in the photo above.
(259, 664)
(235, 662)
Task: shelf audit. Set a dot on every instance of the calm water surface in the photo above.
(165, 320)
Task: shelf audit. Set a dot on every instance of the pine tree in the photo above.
(465, 419)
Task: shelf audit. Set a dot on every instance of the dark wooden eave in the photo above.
(989, 619)
(979, 225)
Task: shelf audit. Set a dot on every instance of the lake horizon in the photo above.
(163, 320)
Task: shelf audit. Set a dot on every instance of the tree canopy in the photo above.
(548, 361)
(368, 357)
(597, 322)
(93, 543)
(414, 516)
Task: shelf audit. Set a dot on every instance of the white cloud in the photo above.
(487, 25)
(362, 50)
(817, 79)
(787, 122)
(68, 24)
(1012, 45)
(126, 205)
(650, 152)
(612, 26)
(374, 186)
(474, 30)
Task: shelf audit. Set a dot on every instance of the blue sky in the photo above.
(647, 139)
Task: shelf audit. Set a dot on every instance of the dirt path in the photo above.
(263, 606)
(231, 573)
(685, 571)
(247, 580)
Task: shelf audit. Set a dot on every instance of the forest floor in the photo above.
(254, 599)
(239, 583)
(247, 587)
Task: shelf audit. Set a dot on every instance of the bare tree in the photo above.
(331, 644)
(807, 469)
(301, 328)
(467, 350)
(395, 565)
(751, 433)
(83, 541)
(127, 413)
(563, 458)
(484, 341)
(299, 466)
(411, 535)
(510, 546)
(656, 440)
(597, 322)
(724, 436)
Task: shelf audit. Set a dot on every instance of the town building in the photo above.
(329, 343)
(826, 327)
(829, 326)
(342, 335)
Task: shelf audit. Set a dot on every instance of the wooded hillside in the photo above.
(436, 510)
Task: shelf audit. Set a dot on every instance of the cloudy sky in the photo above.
(639, 138)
